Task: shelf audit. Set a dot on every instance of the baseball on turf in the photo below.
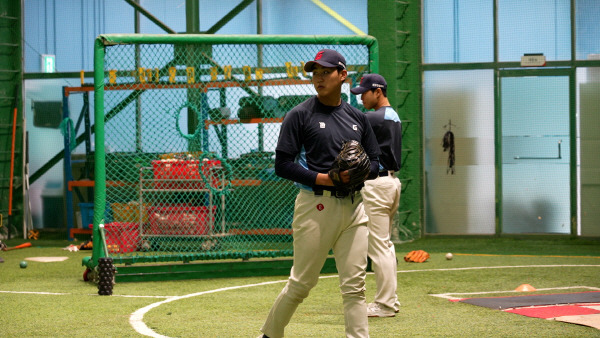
(449, 256)
(23, 264)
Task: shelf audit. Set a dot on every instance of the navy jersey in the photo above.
(388, 130)
(313, 133)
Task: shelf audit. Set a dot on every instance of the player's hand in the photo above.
(345, 176)
(325, 179)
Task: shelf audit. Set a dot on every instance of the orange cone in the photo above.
(525, 288)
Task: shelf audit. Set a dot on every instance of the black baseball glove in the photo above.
(353, 158)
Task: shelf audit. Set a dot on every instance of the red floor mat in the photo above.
(582, 308)
(553, 311)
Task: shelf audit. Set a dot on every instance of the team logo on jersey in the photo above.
(320, 207)
(322, 125)
(354, 127)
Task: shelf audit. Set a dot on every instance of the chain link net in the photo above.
(190, 132)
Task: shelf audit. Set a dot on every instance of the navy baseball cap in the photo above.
(368, 82)
(326, 58)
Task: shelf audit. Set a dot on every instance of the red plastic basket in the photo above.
(173, 174)
(122, 237)
(179, 220)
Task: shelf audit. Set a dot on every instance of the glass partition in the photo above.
(588, 90)
(535, 155)
(460, 199)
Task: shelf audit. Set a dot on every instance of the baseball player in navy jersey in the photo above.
(310, 138)
(381, 196)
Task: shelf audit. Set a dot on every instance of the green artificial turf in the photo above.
(52, 300)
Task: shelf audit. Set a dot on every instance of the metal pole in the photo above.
(68, 174)
(261, 127)
(138, 100)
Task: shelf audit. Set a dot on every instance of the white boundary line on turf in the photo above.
(137, 318)
(67, 294)
(36, 292)
(506, 267)
(450, 296)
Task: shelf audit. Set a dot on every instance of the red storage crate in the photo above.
(122, 237)
(180, 220)
(180, 171)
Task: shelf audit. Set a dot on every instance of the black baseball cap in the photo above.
(326, 58)
(368, 82)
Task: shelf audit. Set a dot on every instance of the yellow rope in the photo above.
(338, 17)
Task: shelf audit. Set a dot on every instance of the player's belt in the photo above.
(386, 173)
(331, 193)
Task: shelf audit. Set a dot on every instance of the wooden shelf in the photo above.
(207, 85)
(74, 231)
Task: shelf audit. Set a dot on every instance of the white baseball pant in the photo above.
(322, 223)
(381, 198)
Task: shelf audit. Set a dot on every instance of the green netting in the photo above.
(186, 130)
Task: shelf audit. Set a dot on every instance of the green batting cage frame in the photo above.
(185, 133)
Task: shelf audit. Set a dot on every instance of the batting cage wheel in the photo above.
(90, 275)
(86, 278)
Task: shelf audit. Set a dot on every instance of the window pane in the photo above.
(44, 141)
(588, 87)
(68, 29)
(461, 102)
(588, 28)
(458, 31)
(535, 155)
(534, 26)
